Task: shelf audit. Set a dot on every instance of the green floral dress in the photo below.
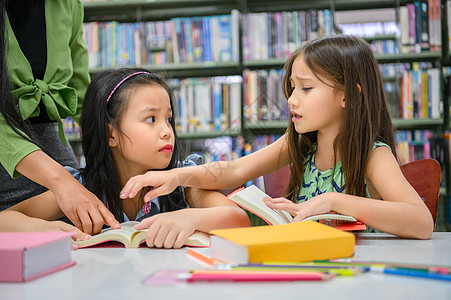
(316, 182)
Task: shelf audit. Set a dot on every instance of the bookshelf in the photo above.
(164, 10)
(183, 70)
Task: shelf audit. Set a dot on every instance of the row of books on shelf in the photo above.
(214, 104)
(227, 148)
(278, 34)
(420, 144)
(263, 96)
(208, 104)
(420, 24)
(416, 95)
(384, 47)
(371, 29)
(179, 40)
(264, 36)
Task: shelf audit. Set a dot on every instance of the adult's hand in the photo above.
(81, 206)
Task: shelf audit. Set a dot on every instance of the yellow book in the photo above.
(132, 238)
(293, 242)
(424, 95)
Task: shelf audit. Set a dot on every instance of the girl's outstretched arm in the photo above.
(395, 207)
(215, 175)
(210, 210)
(37, 214)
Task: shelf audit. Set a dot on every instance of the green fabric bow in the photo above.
(59, 101)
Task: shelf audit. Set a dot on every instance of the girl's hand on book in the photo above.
(315, 206)
(162, 183)
(168, 230)
(63, 226)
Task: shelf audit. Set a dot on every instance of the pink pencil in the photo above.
(254, 276)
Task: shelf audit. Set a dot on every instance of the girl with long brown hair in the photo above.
(339, 145)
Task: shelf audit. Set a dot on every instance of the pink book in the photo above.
(28, 255)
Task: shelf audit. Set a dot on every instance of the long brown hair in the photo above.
(349, 63)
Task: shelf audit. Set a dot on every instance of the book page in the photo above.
(251, 198)
(198, 239)
(332, 217)
(123, 235)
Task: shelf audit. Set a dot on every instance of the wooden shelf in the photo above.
(268, 125)
(397, 123)
(290, 5)
(417, 123)
(381, 37)
(181, 70)
(208, 135)
(408, 57)
(142, 10)
(272, 63)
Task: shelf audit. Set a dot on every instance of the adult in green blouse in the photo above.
(47, 65)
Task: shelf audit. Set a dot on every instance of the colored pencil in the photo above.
(336, 271)
(206, 275)
(202, 257)
(415, 273)
(398, 265)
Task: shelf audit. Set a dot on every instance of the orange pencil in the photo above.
(202, 257)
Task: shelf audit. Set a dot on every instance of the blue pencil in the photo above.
(413, 273)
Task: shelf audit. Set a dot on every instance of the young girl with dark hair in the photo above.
(339, 145)
(128, 129)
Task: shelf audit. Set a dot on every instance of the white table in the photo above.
(117, 273)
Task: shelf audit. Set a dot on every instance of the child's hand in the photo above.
(168, 230)
(315, 206)
(62, 226)
(162, 183)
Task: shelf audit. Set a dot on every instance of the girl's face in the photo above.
(314, 105)
(147, 139)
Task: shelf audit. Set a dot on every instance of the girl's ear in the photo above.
(341, 98)
(112, 138)
(343, 102)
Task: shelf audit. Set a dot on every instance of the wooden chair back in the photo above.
(424, 176)
(276, 182)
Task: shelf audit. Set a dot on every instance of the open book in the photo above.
(251, 199)
(132, 238)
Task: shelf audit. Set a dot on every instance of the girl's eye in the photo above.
(306, 89)
(169, 120)
(291, 89)
(151, 119)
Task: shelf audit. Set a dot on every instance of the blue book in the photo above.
(188, 39)
(180, 41)
(207, 39)
(104, 51)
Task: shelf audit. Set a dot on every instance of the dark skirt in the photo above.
(13, 191)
